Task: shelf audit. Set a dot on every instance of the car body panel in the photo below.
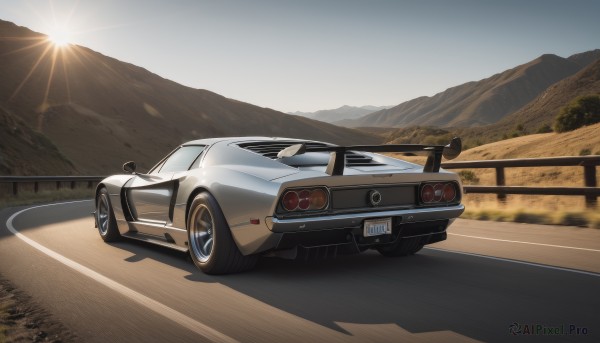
(247, 187)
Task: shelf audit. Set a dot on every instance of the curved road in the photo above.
(543, 281)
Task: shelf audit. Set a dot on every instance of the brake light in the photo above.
(290, 201)
(427, 194)
(438, 192)
(449, 192)
(304, 199)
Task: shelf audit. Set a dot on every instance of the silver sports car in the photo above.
(229, 200)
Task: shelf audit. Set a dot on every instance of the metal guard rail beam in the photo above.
(589, 164)
(16, 180)
(8, 179)
(526, 162)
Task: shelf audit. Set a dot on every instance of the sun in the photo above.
(60, 37)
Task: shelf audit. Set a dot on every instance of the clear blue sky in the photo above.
(309, 55)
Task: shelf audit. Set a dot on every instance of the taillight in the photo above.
(449, 192)
(427, 194)
(438, 192)
(290, 201)
(304, 203)
(313, 199)
(318, 199)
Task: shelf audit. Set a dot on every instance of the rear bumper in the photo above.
(344, 230)
(355, 220)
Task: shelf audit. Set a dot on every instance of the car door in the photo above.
(151, 197)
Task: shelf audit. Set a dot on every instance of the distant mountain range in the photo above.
(341, 113)
(481, 102)
(531, 118)
(73, 110)
(542, 110)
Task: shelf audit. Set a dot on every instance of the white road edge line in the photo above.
(520, 242)
(577, 271)
(151, 304)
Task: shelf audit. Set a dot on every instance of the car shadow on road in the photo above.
(429, 292)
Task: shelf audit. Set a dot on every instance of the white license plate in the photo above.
(377, 227)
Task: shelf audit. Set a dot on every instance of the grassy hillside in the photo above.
(568, 210)
(542, 110)
(585, 140)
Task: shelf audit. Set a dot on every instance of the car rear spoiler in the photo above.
(337, 156)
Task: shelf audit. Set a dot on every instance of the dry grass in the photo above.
(551, 210)
(562, 210)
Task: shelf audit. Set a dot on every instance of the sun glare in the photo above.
(60, 37)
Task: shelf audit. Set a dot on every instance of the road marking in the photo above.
(159, 308)
(577, 271)
(520, 242)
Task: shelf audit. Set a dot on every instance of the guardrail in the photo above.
(36, 180)
(589, 163)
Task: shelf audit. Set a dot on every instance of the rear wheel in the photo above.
(105, 218)
(404, 247)
(211, 245)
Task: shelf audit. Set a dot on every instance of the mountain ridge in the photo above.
(99, 112)
(483, 102)
(340, 113)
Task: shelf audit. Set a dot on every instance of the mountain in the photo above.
(544, 108)
(18, 140)
(531, 118)
(480, 102)
(585, 58)
(344, 112)
(94, 112)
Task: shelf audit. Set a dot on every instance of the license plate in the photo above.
(377, 227)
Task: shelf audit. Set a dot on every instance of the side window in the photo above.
(181, 159)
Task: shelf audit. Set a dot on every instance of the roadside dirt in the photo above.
(22, 320)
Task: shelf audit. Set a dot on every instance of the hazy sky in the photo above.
(310, 55)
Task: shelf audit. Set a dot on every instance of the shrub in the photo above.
(544, 129)
(584, 110)
(585, 152)
(573, 219)
(468, 177)
(531, 218)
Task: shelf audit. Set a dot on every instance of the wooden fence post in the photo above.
(500, 181)
(589, 177)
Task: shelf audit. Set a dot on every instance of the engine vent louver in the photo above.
(270, 150)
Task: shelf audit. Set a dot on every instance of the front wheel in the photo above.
(211, 245)
(105, 218)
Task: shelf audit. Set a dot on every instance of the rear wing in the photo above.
(337, 156)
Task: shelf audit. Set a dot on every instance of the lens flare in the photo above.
(60, 37)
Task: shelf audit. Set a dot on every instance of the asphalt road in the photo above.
(486, 277)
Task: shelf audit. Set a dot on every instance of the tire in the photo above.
(105, 218)
(210, 242)
(403, 247)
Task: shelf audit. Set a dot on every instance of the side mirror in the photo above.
(129, 167)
